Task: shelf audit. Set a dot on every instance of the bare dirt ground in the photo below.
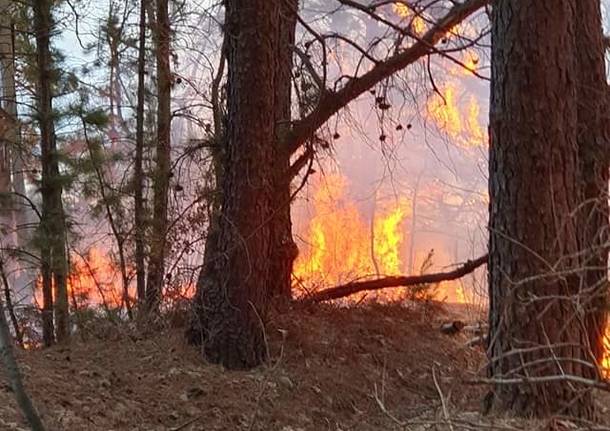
(363, 368)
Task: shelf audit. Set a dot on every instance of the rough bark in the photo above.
(52, 226)
(537, 329)
(233, 291)
(284, 250)
(593, 139)
(156, 262)
(138, 171)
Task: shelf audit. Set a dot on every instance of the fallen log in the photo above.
(394, 281)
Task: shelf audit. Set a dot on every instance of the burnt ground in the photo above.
(370, 367)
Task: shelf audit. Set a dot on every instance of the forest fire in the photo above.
(95, 280)
(458, 119)
(340, 244)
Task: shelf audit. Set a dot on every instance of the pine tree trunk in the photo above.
(138, 173)
(539, 330)
(156, 263)
(53, 234)
(284, 250)
(234, 290)
(593, 139)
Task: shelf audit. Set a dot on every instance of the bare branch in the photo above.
(333, 101)
(396, 281)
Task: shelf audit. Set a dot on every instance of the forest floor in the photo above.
(370, 367)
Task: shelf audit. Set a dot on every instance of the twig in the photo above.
(185, 424)
(442, 398)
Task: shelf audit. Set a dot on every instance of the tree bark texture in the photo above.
(156, 263)
(593, 138)
(138, 172)
(233, 290)
(538, 327)
(284, 250)
(52, 230)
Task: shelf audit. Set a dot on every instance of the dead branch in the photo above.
(9, 305)
(332, 101)
(395, 281)
(14, 375)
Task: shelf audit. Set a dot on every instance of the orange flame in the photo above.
(94, 279)
(461, 125)
(339, 245)
(605, 365)
(417, 22)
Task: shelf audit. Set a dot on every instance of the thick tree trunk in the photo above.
(593, 139)
(138, 171)
(156, 263)
(538, 329)
(53, 234)
(233, 291)
(284, 250)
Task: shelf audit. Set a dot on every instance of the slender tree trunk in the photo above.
(7, 125)
(138, 173)
(14, 376)
(21, 212)
(593, 139)
(9, 305)
(156, 263)
(284, 250)
(233, 292)
(538, 330)
(53, 235)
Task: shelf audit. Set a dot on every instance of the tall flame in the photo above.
(340, 246)
(94, 279)
(461, 124)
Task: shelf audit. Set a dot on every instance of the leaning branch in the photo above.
(13, 375)
(397, 281)
(333, 101)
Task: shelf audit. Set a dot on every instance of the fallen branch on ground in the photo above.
(395, 281)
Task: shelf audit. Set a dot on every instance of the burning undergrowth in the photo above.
(339, 244)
